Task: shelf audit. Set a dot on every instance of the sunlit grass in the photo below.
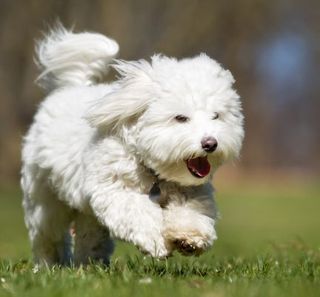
(268, 245)
(135, 276)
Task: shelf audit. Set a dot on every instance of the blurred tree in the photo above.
(271, 47)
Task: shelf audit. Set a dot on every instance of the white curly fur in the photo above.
(95, 151)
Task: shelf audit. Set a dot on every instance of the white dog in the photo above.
(96, 152)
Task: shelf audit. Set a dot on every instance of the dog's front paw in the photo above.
(186, 247)
(188, 232)
(153, 245)
(188, 242)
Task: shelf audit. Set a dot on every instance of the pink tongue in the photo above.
(200, 166)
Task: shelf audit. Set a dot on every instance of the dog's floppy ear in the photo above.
(129, 98)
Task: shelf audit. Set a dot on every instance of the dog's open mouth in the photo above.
(199, 167)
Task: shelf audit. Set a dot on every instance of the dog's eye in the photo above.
(181, 118)
(215, 116)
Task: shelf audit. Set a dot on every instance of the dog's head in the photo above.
(183, 118)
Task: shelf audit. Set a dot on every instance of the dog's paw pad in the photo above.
(186, 248)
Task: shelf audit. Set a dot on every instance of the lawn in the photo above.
(268, 245)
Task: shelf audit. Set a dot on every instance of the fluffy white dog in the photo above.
(96, 153)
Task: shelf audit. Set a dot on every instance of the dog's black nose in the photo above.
(209, 144)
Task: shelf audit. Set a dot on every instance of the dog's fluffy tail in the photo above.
(66, 58)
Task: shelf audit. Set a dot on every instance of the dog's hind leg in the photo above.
(92, 241)
(48, 221)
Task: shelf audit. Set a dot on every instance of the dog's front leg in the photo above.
(132, 217)
(189, 218)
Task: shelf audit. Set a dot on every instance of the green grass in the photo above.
(268, 245)
(134, 276)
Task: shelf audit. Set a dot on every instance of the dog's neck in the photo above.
(161, 191)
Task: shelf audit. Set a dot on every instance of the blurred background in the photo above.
(272, 47)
